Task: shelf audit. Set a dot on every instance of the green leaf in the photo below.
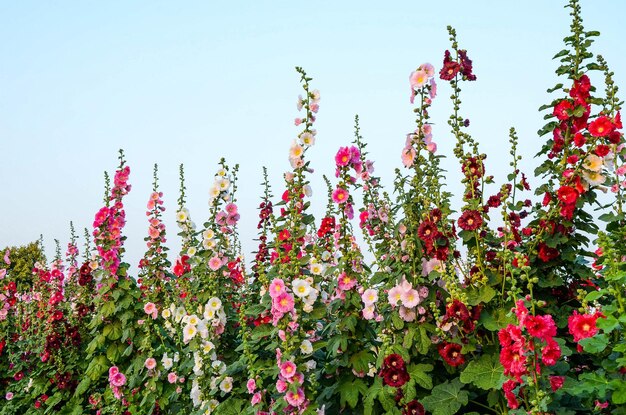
(608, 324)
(484, 294)
(486, 373)
(593, 295)
(107, 308)
(422, 341)
(619, 392)
(496, 321)
(595, 344)
(360, 361)
(446, 398)
(561, 53)
(419, 374)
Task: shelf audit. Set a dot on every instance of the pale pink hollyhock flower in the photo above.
(433, 89)
(427, 129)
(418, 79)
(288, 369)
(345, 283)
(215, 263)
(231, 208)
(428, 68)
(406, 314)
(9, 396)
(140, 322)
(368, 312)
(423, 292)
(282, 335)
(408, 156)
(277, 287)
(172, 377)
(340, 195)
(430, 265)
(151, 310)
(150, 205)
(3, 273)
(281, 386)
(7, 260)
(295, 399)
(621, 170)
(297, 121)
(251, 385)
(369, 296)
(432, 147)
(150, 363)
(410, 298)
(284, 303)
(256, 398)
(279, 355)
(395, 295)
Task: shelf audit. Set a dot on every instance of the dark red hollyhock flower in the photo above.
(581, 88)
(395, 377)
(602, 150)
(3, 343)
(458, 310)
(472, 167)
(435, 215)
(601, 127)
(451, 354)
(494, 201)
(450, 67)
(567, 195)
(427, 231)
(546, 253)
(393, 361)
(560, 110)
(470, 220)
(466, 67)
(615, 137)
(414, 408)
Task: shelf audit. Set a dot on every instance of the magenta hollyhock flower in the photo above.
(284, 303)
(340, 195)
(251, 385)
(118, 380)
(343, 156)
(277, 287)
(288, 369)
(345, 282)
(281, 386)
(256, 398)
(295, 399)
(113, 370)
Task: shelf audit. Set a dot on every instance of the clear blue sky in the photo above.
(189, 82)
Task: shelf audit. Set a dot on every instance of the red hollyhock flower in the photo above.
(414, 408)
(579, 140)
(582, 326)
(547, 254)
(466, 66)
(427, 231)
(472, 167)
(556, 382)
(601, 127)
(602, 150)
(550, 353)
(511, 399)
(581, 88)
(458, 310)
(560, 110)
(395, 377)
(450, 67)
(511, 335)
(393, 361)
(470, 220)
(451, 354)
(615, 137)
(435, 215)
(514, 361)
(567, 195)
(542, 327)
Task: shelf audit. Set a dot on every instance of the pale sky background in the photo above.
(189, 82)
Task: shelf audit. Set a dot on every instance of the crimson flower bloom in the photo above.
(427, 231)
(601, 127)
(470, 220)
(542, 327)
(414, 408)
(451, 354)
(560, 110)
(582, 326)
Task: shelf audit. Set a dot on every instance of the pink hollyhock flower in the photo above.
(150, 363)
(281, 386)
(521, 312)
(418, 79)
(369, 312)
(369, 296)
(295, 399)
(433, 89)
(556, 382)
(407, 314)
(428, 68)
(395, 295)
(550, 353)
(340, 195)
(8, 396)
(410, 298)
(113, 370)
(151, 310)
(118, 380)
(288, 369)
(251, 385)
(408, 156)
(256, 398)
(284, 303)
(343, 156)
(345, 283)
(215, 263)
(277, 287)
(231, 208)
(172, 377)
(7, 260)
